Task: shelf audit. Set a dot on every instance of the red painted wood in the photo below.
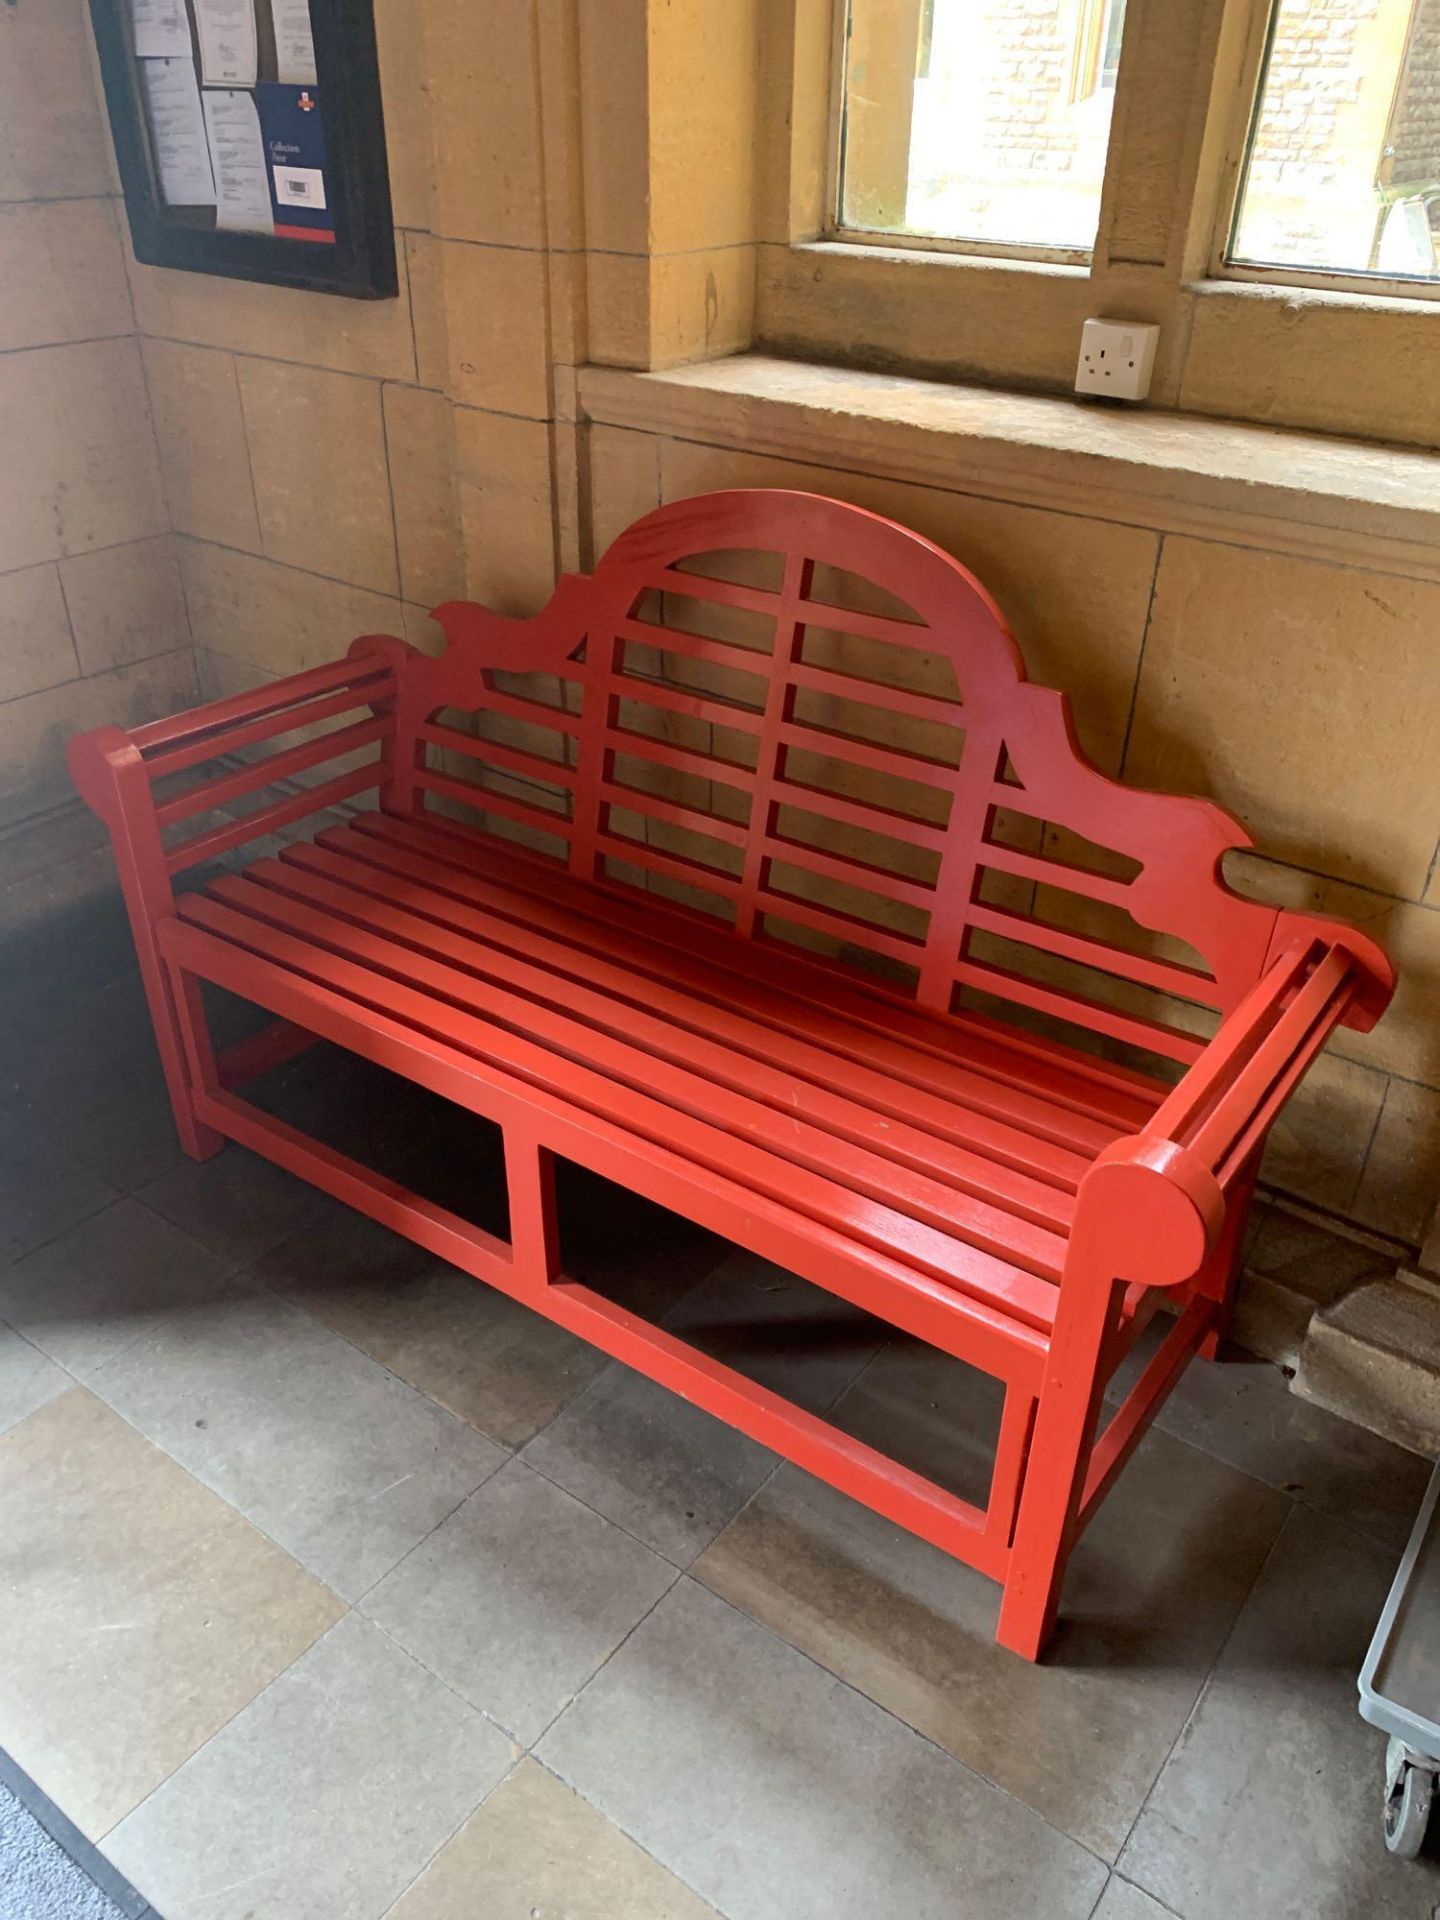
(219, 792)
(260, 1053)
(952, 1524)
(1127, 1425)
(867, 1277)
(1021, 1198)
(232, 716)
(1015, 1130)
(1069, 1097)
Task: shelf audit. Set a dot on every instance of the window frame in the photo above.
(841, 230)
(1005, 317)
(1221, 266)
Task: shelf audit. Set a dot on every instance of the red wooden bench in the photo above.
(809, 901)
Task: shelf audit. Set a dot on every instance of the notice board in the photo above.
(250, 139)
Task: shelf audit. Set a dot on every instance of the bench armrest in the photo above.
(1153, 1204)
(1224, 1104)
(117, 771)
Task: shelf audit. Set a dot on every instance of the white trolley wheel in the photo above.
(1409, 1790)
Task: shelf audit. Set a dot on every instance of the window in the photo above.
(954, 186)
(978, 121)
(1342, 171)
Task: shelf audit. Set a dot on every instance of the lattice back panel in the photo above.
(812, 725)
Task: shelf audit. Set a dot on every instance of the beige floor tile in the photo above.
(795, 1339)
(929, 1411)
(778, 1793)
(1242, 1410)
(323, 1799)
(343, 1464)
(138, 1612)
(537, 1847)
(1122, 1900)
(97, 1288)
(519, 1597)
(27, 1379)
(1153, 1588)
(650, 1461)
(1270, 1804)
(43, 1189)
(237, 1204)
(494, 1363)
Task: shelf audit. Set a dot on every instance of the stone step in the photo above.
(1373, 1357)
(1297, 1264)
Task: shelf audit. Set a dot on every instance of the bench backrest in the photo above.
(814, 725)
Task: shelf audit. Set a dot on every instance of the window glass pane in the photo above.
(978, 119)
(1343, 172)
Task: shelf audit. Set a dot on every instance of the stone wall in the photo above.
(92, 618)
(575, 183)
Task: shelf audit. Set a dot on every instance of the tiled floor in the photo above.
(334, 1587)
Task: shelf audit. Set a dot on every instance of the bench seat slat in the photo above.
(989, 1078)
(786, 1074)
(750, 1018)
(362, 928)
(929, 1309)
(386, 976)
(1081, 1102)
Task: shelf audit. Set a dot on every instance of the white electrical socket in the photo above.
(1116, 358)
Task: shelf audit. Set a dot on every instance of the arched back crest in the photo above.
(945, 915)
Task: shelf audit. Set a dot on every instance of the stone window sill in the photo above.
(1339, 500)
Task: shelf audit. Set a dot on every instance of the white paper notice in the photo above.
(227, 42)
(294, 46)
(177, 132)
(161, 30)
(242, 179)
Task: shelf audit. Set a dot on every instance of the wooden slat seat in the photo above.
(926, 1162)
(754, 875)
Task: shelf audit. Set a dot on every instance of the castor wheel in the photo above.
(1409, 1789)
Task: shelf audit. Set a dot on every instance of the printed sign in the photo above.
(228, 50)
(242, 193)
(295, 149)
(294, 44)
(177, 132)
(162, 31)
(249, 138)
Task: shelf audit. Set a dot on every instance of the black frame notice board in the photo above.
(338, 236)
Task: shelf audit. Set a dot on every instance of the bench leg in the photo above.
(117, 787)
(1226, 1262)
(185, 1051)
(534, 1223)
(183, 1035)
(1053, 1487)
